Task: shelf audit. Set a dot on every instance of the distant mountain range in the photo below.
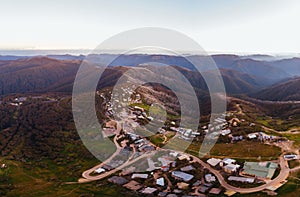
(268, 80)
(285, 91)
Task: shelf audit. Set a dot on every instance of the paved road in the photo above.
(88, 177)
(86, 174)
(283, 175)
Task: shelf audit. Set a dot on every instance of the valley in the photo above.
(43, 153)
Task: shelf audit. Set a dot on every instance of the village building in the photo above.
(182, 185)
(231, 168)
(225, 132)
(148, 190)
(160, 182)
(162, 194)
(241, 179)
(252, 136)
(118, 180)
(213, 161)
(203, 189)
(182, 176)
(133, 185)
(227, 161)
(210, 178)
(140, 176)
(215, 191)
(183, 157)
(100, 170)
(197, 183)
(172, 195)
(259, 169)
(187, 168)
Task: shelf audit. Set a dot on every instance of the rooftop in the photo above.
(241, 179)
(215, 191)
(133, 185)
(148, 190)
(184, 176)
(187, 168)
(118, 180)
(260, 169)
(160, 181)
(229, 161)
(214, 161)
(210, 178)
(142, 176)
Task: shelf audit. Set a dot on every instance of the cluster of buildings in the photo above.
(186, 134)
(263, 137)
(121, 99)
(174, 182)
(241, 179)
(218, 126)
(249, 172)
(103, 169)
(141, 144)
(18, 101)
(140, 114)
(227, 164)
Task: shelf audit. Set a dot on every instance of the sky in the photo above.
(242, 26)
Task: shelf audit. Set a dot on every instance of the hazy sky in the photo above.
(258, 26)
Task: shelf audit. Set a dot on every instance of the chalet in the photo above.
(182, 185)
(227, 161)
(118, 180)
(230, 168)
(241, 179)
(215, 191)
(137, 108)
(100, 170)
(183, 176)
(160, 182)
(162, 194)
(213, 161)
(133, 185)
(252, 136)
(210, 178)
(187, 168)
(148, 190)
(225, 132)
(140, 176)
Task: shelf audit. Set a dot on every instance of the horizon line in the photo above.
(89, 51)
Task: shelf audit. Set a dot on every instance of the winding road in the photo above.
(283, 175)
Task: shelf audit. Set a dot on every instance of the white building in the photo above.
(225, 132)
(141, 176)
(210, 178)
(213, 161)
(252, 136)
(160, 182)
(227, 161)
(230, 168)
(100, 170)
